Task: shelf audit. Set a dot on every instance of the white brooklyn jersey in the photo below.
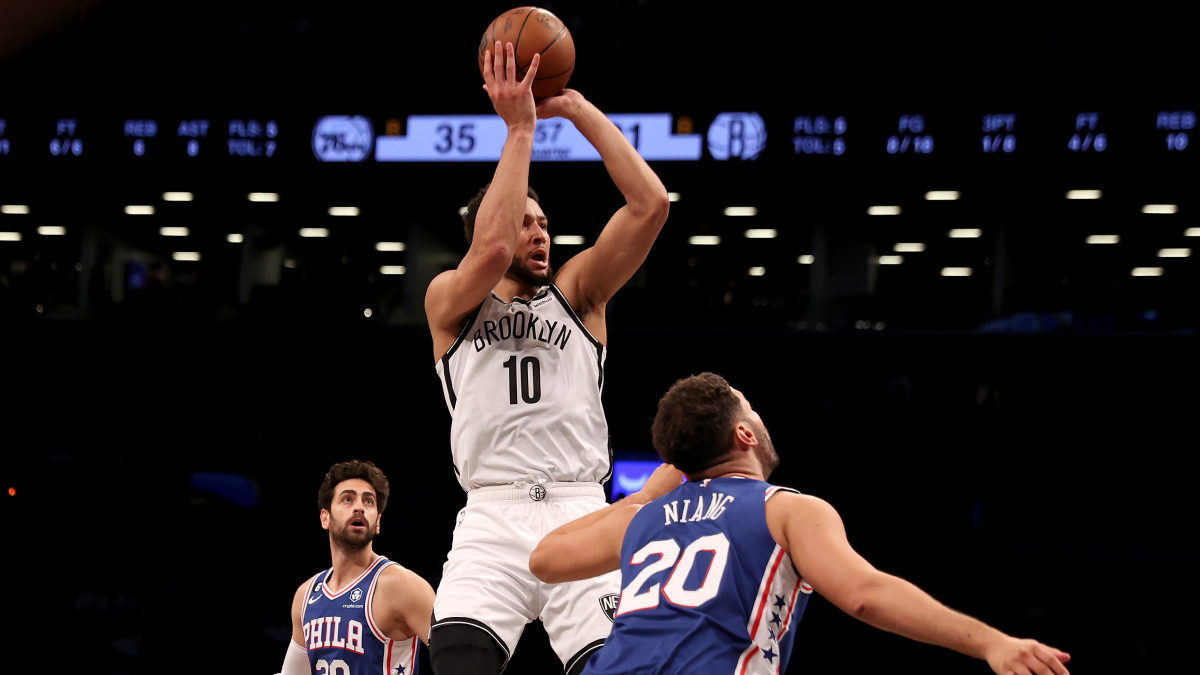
(523, 383)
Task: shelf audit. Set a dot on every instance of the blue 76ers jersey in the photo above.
(340, 631)
(704, 587)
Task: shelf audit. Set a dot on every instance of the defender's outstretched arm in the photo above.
(455, 294)
(812, 533)
(596, 274)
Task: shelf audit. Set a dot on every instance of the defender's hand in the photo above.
(1026, 657)
(512, 98)
(562, 105)
(664, 479)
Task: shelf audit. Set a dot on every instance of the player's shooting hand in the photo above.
(664, 479)
(562, 105)
(1026, 657)
(512, 98)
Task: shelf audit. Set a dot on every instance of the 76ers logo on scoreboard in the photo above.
(343, 138)
(608, 605)
(356, 595)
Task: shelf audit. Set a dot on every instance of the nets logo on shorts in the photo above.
(537, 492)
(356, 595)
(608, 605)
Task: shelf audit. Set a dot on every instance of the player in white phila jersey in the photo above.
(520, 352)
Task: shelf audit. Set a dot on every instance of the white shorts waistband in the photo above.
(535, 492)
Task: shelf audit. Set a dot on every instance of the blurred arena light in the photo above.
(966, 233)
(12, 492)
(568, 239)
(673, 196)
(186, 256)
(1147, 272)
(234, 238)
(704, 240)
(367, 312)
(1104, 239)
(957, 271)
(139, 210)
(883, 210)
(756, 271)
(14, 209)
(389, 246)
(741, 210)
(891, 259)
(263, 196)
(1083, 194)
(343, 210)
(177, 196)
(314, 232)
(10, 236)
(909, 247)
(1160, 208)
(942, 195)
(52, 230)
(462, 211)
(392, 269)
(805, 259)
(1174, 252)
(1192, 232)
(761, 234)
(173, 231)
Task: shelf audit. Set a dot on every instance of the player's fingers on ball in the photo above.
(498, 62)
(510, 63)
(488, 76)
(532, 71)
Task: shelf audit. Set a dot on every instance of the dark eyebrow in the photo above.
(354, 492)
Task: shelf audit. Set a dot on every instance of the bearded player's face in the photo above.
(767, 457)
(353, 517)
(531, 261)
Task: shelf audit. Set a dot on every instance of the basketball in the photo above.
(533, 30)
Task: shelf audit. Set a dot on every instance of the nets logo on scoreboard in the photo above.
(343, 138)
(737, 136)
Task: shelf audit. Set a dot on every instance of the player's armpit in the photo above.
(570, 554)
(812, 534)
(593, 277)
(403, 604)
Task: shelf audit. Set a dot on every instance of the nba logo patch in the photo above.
(608, 605)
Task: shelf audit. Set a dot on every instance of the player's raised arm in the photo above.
(591, 278)
(455, 294)
(812, 533)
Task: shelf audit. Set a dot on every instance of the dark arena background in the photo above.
(948, 255)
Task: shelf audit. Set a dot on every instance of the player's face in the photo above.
(353, 517)
(531, 261)
(766, 449)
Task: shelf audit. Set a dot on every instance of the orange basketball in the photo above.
(533, 30)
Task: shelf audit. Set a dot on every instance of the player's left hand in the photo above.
(562, 105)
(664, 479)
(1013, 655)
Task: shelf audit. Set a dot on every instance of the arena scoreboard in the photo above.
(814, 136)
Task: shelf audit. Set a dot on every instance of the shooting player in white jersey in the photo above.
(520, 352)
(366, 614)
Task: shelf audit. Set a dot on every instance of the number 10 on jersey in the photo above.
(531, 379)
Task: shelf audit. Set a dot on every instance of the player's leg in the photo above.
(486, 595)
(578, 615)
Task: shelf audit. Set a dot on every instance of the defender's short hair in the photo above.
(473, 210)
(353, 469)
(694, 421)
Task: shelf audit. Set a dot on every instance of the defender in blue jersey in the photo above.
(716, 574)
(366, 615)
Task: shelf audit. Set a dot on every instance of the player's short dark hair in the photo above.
(473, 209)
(353, 469)
(695, 416)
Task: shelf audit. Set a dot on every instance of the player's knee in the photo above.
(459, 649)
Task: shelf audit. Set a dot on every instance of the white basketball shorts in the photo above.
(486, 580)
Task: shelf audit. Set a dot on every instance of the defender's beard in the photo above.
(350, 541)
(766, 450)
(518, 269)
